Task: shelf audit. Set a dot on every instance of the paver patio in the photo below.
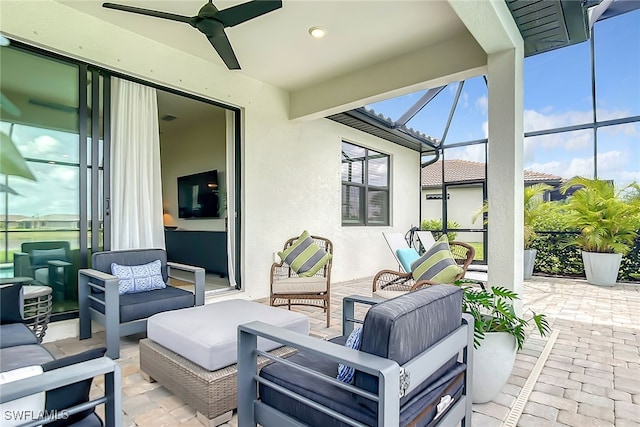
(590, 378)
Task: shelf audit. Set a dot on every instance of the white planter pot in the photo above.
(601, 269)
(529, 260)
(492, 364)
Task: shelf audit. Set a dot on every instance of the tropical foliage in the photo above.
(533, 203)
(492, 310)
(435, 226)
(606, 219)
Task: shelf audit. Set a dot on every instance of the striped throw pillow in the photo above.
(305, 257)
(437, 264)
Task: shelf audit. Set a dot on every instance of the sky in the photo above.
(557, 93)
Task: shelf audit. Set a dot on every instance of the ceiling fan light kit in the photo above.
(211, 22)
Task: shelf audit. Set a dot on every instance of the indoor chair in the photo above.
(49, 263)
(403, 375)
(391, 283)
(100, 298)
(286, 285)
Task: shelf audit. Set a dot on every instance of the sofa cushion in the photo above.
(437, 264)
(41, 257)
(145, 304)
(402, 328)
(20, 356)
(304, 256)
(72, 394)
(138, 278)
(421, 406)
(299, 285)
(25, 408)
(13, 334)
(11, 304)
(101, 261)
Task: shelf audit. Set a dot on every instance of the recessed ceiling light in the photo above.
(317, 32)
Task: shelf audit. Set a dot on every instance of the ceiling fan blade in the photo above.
(243, 12)
(223, 47)
(148, 12)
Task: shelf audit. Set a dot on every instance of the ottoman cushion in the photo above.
(207, 335)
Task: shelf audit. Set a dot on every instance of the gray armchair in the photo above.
(49, 263)
(413, 368)
(121, 315)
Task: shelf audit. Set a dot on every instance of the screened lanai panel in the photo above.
(394, 108)
(564, 154)
(617, 66)
(619, 153)
(470, 119)
(557, 89)
(432, 118)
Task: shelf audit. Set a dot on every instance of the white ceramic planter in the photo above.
(528, 260)
(492, 364)
(601, 269)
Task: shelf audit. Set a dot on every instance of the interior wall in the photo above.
(191, 145)
(291, 177)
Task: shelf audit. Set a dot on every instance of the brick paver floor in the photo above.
(591, 377)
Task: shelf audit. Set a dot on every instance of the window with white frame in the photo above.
(365, 186)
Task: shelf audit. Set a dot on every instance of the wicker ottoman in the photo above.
(185, 359)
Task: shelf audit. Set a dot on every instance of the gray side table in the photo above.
(37, 308)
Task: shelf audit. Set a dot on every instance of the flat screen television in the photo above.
(198, 195)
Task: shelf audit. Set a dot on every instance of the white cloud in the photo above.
(482, 103)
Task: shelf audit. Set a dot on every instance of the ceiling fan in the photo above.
(211, 22)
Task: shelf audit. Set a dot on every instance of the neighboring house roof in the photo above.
(467, 171)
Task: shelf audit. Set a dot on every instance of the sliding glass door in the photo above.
(52, 127)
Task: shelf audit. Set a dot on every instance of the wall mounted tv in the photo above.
(198, 195)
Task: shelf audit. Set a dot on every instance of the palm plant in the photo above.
(533, 203)
(607, 221)
(532, 207)
(492, 310)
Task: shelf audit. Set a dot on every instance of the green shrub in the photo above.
(435, 226)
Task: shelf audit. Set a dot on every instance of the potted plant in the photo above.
(608, 223)
(498, 334)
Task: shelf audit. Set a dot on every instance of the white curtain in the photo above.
(136, 182)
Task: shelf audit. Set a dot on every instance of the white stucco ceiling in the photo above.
(276, 48)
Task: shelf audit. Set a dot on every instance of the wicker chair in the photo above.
(390, 283)
(314, 291)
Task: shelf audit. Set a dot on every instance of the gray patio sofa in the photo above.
(65, 383)
(416, 350)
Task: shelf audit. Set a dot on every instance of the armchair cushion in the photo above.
(138, 278)
(304, 256)
(32, 404)
(389, 331)
(144, 304)
(72, 394)
(13, 334)
(437, 264)
(299, 285)
(40, 257)
(20, 356)
(11, 304)
(102, 261)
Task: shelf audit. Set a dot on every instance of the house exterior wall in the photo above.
(290, 169)
(462, 204)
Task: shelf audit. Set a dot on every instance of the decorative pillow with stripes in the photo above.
(437, 264)
(305, 257)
